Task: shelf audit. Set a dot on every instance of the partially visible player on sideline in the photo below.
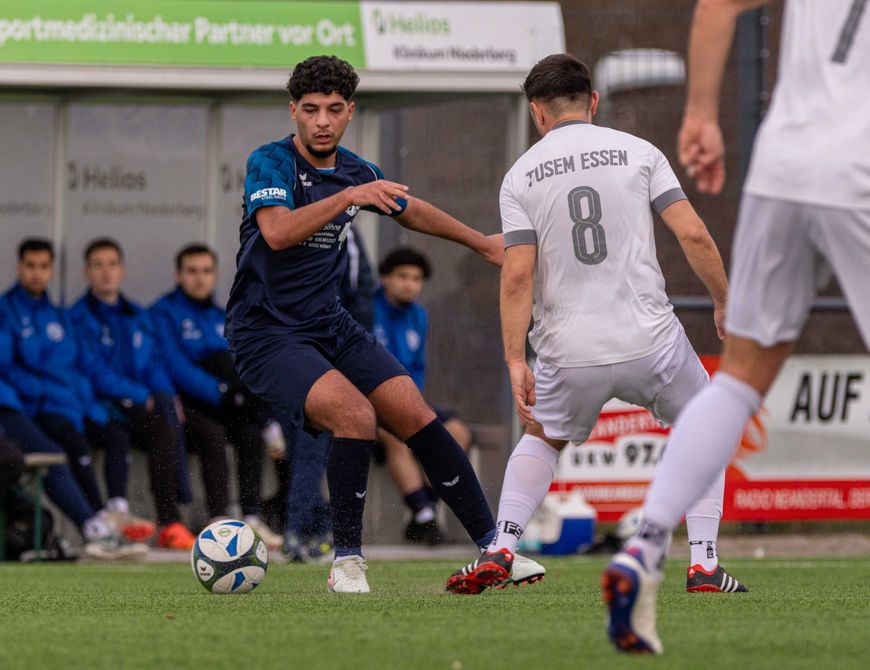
(57, 382)
(217, 406)
(142, 402)
(580, 258)
(402, 326)
(806, 203)
(298, 348)
(102, 538)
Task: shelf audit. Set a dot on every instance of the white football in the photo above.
(229, 557)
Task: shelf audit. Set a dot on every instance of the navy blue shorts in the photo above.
(281, 367)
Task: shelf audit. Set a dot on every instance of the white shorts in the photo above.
(569, 400)
(783, 251)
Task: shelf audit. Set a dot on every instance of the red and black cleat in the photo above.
(699, 580)
(489, 570)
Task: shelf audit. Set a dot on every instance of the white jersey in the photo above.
(814, 143)
(583, 195)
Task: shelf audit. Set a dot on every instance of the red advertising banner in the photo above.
(805, 455)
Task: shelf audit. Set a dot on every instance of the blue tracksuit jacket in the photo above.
(48, 367)
(122, 337)
(189, 331)
(8, 397)
(402, 330)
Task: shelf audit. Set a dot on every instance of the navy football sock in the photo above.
(453, 478)
(418, 500)
(347, 473)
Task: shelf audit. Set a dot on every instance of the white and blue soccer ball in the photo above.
(229, 557)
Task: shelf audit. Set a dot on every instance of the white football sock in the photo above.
(702, 524)
(425, 515)
(527, 478)
(699, 448)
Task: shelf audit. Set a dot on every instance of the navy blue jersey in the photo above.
(294, 286)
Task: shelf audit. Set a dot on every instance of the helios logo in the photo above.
(272, 192)
(418, 23)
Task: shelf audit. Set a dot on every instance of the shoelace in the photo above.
(353, 567)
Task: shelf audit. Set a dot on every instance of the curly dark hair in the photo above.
(323, 74)
(405, 256)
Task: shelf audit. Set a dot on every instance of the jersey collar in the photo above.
(570, 122)
(317, 173)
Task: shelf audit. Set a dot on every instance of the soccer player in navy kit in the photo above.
(298, 348)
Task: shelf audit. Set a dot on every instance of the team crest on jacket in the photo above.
(412, 337)
(189, 331)
(54, 331)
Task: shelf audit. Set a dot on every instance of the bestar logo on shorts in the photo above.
(272, 193)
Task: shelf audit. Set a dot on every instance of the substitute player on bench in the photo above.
(806, 203)
(581, 258)
(293, 342)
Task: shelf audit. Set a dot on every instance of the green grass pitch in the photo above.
(799, 614)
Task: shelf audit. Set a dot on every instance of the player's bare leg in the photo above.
(460, 432)
(415, 490)
(335, 405)
(401, 464)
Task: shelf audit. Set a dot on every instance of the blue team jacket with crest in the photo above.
(123, 339)
(402, 330)
(190, 331)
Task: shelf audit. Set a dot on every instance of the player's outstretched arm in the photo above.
(699, 144)
(282, 227)
(515, 303)
(423, 217)
(702, 254)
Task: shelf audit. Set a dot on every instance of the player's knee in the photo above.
(357, 421)
(414, 421)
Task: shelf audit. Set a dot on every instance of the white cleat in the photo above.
(629, 591)
(523, 571)
(348, 575)
(113, 548)
(271, 538)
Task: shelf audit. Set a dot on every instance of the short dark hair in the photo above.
(194, 249)
(323, 74)
(405, 256)
(29, 244)
(100, 243)
(558, 76)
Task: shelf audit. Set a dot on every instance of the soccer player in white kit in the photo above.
(580, 259)
(805, 207)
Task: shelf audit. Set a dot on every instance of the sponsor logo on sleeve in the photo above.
(271, 193)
